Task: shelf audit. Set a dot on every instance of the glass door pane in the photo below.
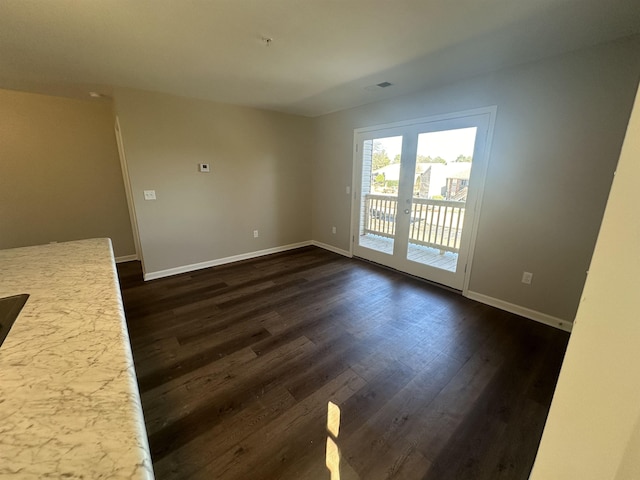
(379, 193)
(441, 183)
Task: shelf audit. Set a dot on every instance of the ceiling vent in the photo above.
(378, 86)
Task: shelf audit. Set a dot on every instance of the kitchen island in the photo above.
(69, 401)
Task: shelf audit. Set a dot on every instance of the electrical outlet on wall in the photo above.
(149, 194)
(333, 230)
(255, 234)
(527, 277)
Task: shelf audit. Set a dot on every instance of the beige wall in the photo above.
(60, 176)
(260, 177)
(593, 429)
(557, 138)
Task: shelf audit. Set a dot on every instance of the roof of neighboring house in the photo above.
(460, 170)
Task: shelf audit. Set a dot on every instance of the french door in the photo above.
(417, 187)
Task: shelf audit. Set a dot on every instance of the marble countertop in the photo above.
(69, 401)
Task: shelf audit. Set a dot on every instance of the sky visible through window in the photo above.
(448, 144)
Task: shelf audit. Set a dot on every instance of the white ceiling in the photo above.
(323, 55)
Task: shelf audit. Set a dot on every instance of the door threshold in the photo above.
(416, 277)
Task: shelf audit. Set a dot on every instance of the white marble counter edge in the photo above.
(34, 411)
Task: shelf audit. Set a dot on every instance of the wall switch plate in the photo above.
(333, 230)
(527, 277)
(348, 189)
(149, 194)
(255, 234)
(204, 167)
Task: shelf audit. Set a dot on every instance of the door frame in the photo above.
(128, 191)
(481, 174)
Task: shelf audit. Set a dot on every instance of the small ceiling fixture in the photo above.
(378, 86)
(267, 41)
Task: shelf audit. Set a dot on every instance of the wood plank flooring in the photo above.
(239, 367)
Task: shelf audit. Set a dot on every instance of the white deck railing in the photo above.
(433, 223)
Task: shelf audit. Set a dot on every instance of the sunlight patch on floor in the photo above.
(333, 430)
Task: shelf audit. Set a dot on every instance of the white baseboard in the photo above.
(331, 248)
(522, 311)
(222, 261)
(126, 258)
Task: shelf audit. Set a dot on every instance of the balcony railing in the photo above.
(433, 223)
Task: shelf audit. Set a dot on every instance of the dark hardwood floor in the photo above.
(264, 369)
